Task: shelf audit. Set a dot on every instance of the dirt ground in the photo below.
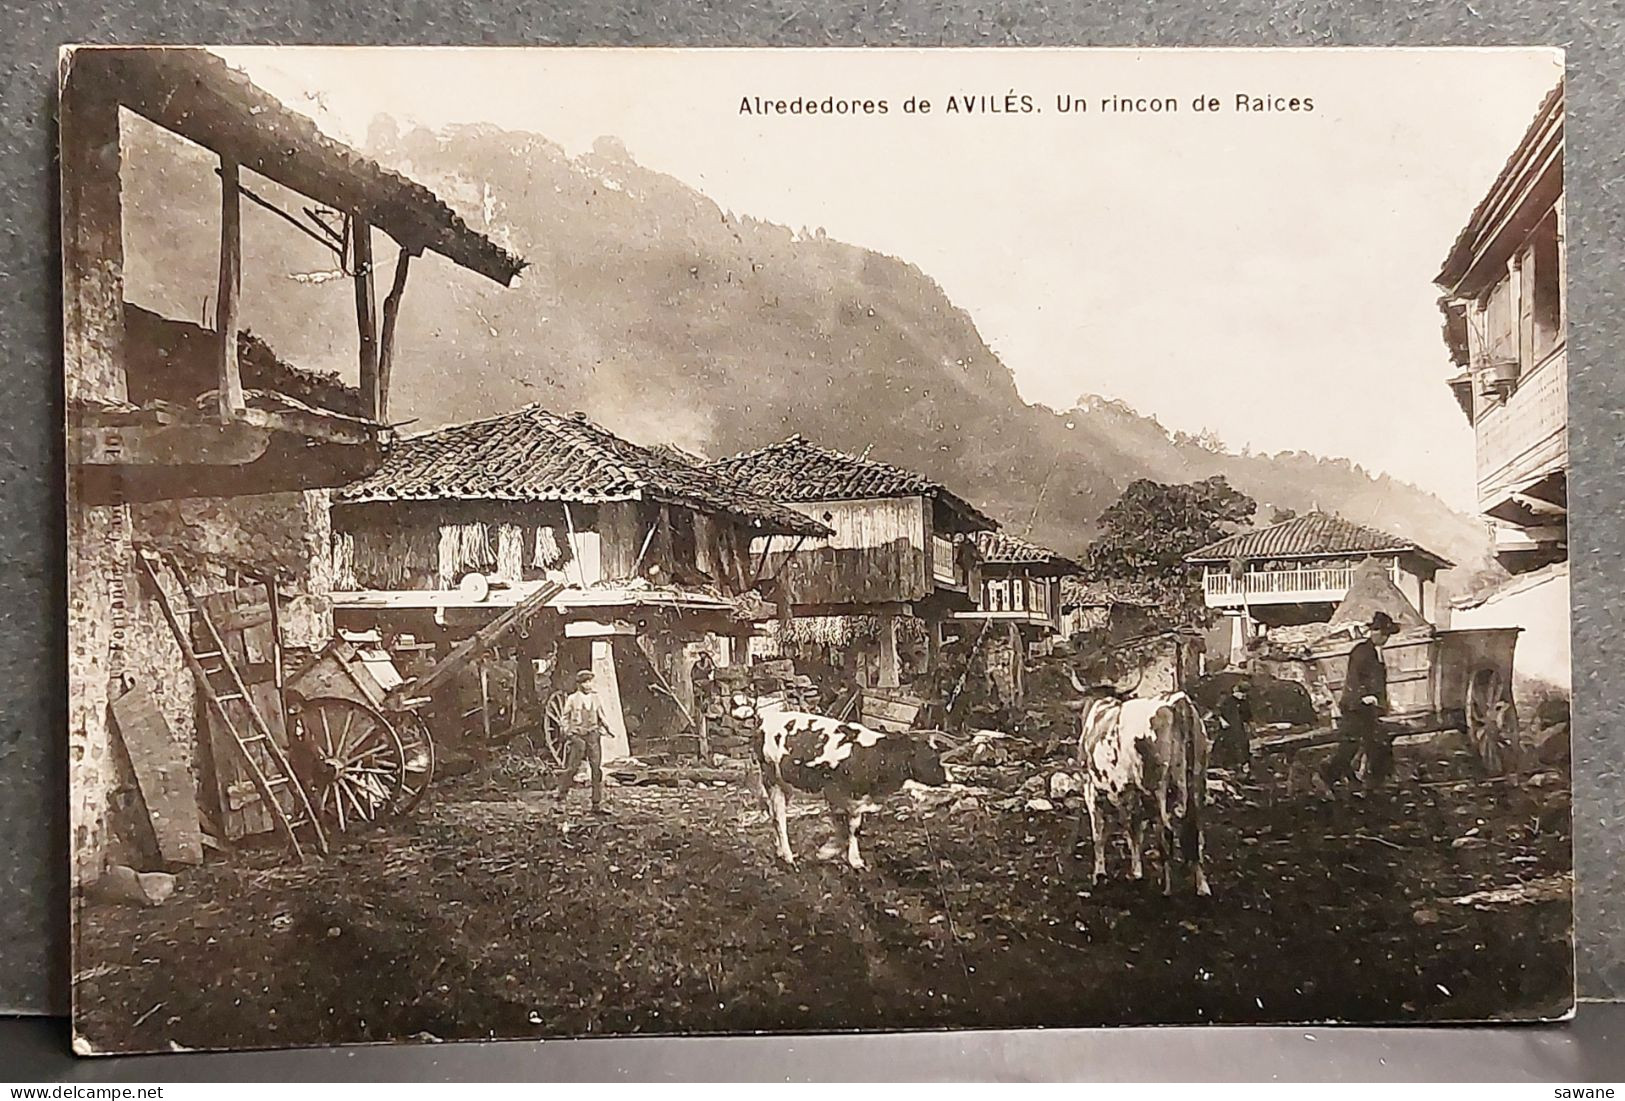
(489, 913)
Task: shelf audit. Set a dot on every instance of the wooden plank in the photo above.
(161, 776)
(486, 637)
(892, 712)
(591, 628)
(269, 702)
(891, 709)
(230, 289)
(242, 811)
(168, 444)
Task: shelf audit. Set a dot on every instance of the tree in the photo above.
(1145, 536)
(1280, 515)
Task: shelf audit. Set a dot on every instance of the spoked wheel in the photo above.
(357, 761)
(543, 739)
(553, 727)
(1491, 721)
(418, 773)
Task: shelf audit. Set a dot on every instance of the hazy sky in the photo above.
(1265, 275)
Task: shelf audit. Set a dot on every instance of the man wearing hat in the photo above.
(584, 727)
(1365, 698)
(1232, 743)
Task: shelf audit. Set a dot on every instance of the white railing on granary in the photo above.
(1280, 586)
(944, 565)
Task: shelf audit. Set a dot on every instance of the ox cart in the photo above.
(361, 750)
(1438, 680)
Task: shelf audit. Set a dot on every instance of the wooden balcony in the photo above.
(1016, 600)
(1305, 585)
(1524, 439)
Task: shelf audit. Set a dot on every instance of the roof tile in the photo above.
(532, 454)
(796, 470)
(1310, 535)
(1002, 549)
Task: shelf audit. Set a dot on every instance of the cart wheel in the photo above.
(357, 761)
(553, 726)
(1491, 720)
(420, 760)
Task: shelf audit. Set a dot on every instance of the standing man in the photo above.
(1232, 744)
(584, 731)
(1364, 700)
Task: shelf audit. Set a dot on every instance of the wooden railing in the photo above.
(1281, 586)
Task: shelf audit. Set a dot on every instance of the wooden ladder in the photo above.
(268, 766)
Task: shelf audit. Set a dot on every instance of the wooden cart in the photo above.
(360, 750)
(1437, 680)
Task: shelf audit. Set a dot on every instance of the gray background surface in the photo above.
(33, 928)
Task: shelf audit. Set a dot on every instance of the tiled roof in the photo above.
(1078, 593)
(1002, 549)
(1314, 534)
(796, 470)
(1460, 259)
(532, 454)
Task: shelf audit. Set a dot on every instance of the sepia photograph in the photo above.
(574, 542)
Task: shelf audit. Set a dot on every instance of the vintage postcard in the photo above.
(579, 542)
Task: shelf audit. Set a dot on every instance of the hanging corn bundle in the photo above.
(548, 553)
(463, 547)
(510, 552)
(826, 630)
(344, 561)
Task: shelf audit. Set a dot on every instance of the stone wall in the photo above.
(118, 637)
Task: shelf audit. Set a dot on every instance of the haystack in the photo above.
(1373, 590)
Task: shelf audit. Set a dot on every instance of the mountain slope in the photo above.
(671, 320)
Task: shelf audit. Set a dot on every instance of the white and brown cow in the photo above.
(1145, 758)
(848, 763)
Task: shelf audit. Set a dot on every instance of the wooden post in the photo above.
(386, 336)
(890, 670)
(230, 289)
(608, 690)
(1018, 663)
(365, 317)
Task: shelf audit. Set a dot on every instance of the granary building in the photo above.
(900, 545)
(1504, 285)
(1110, 607)
(1020, 584)
(196, 455)
(1299, 570)
(1020, 604)
(653, 553)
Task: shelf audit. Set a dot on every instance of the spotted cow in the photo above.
(1145, 758)
(848, 763)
